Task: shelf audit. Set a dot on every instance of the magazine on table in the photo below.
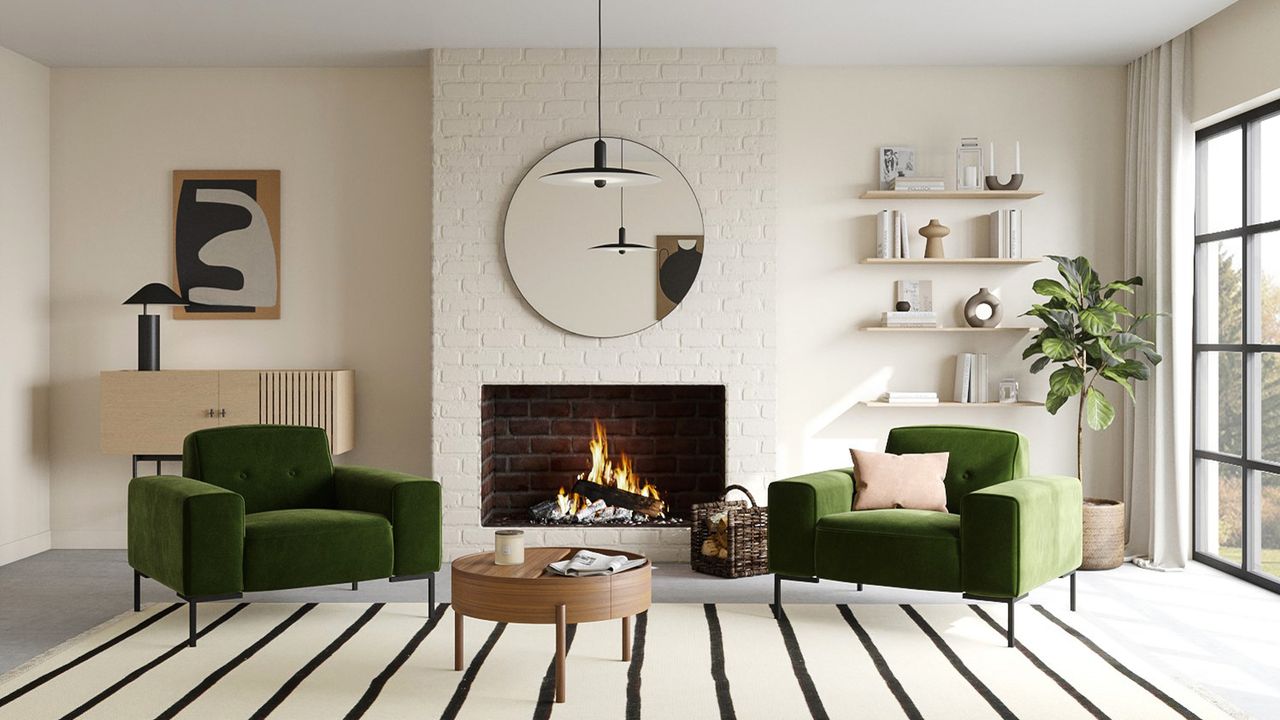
(586, 562)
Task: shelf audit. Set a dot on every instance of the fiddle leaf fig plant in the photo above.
(1092, 339)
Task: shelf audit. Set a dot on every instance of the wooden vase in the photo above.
(933, 234)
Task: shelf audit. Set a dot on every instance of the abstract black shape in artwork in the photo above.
(679, 257)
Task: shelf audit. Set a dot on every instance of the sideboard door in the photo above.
(239, 397)
(150, 413)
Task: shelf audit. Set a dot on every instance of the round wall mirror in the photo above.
(604, 262)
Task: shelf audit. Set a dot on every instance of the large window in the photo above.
(1237, 346)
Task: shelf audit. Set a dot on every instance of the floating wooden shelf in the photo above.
(952, 261)
(986, 405)
(950, 194)
(881, 328)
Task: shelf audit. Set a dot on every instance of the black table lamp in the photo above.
(149, 325)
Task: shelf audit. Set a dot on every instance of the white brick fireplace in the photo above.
(495, 113)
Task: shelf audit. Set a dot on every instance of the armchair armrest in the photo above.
(795, 506)
(1019, 534)
(410, 503)
(187, 534)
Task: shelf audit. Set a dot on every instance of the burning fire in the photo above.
(605, 472)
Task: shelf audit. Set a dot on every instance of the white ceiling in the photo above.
(117, 33)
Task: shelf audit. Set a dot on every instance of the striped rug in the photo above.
(689, 661)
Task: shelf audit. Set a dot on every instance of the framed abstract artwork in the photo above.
(226, 244)
(679, 257)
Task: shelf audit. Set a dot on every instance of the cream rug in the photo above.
(257, 660)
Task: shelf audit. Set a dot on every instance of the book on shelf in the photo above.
(918, 184)
(1006, 233)
(884, 234)
(971, 378)
(909, 319)
(902, 240)
(964, 369)
(911, 398)
(1015, 233)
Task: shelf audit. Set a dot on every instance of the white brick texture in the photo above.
(496, 112)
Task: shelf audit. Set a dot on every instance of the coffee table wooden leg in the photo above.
(626, 639)
(560, 642)
(457, 640)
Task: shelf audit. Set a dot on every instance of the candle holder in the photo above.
(1015, 182)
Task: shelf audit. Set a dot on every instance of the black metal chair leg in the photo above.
(137, 591)
(859, 587)
(1009, 633)
(777, 594)
(1073, 591)
(431, 595)
(355, 585)
(191, 623)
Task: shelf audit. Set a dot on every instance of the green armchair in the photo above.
(1005, 532)
(262, 507)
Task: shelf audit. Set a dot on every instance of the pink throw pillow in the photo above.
(888, 481)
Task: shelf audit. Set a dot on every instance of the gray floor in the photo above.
(1202, 626)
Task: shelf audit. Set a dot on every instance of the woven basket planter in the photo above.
(745, 536)
(1103, 534)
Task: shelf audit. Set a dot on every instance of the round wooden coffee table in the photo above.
(528, 593)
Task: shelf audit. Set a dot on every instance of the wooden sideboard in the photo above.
(149, 413)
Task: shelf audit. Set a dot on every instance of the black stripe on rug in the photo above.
(292, 684)
(882, 666)
(89, 654)
(723, 697)
(235, 662)
(379, 682)
(1067, 687)
(464, 685)
(547, 690)
(996, 704)
(1157, 692)
(807, 688)
(139, 672)
(637, 667)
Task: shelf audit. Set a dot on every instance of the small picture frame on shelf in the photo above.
(896, 161)
(917, 295)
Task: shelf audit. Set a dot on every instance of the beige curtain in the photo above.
(1159, 239)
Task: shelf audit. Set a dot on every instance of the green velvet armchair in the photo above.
(1005, 532)
(262, 507)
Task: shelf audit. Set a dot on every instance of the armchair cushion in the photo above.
(411, 504)
(903, 548)
(186, 534)
(274, 467)
(1020, 534)
(979, 457)
(300, 548)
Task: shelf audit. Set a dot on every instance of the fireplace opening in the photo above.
(599, 455)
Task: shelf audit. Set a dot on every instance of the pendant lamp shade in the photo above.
(622, 246)
(599, 173)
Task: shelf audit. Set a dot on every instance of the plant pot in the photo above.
(1103, 534)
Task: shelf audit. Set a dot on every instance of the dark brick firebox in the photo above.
(535, 439)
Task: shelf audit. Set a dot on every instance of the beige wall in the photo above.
(831, 122)
(353, 147)
(1234, 60)
(24, 297)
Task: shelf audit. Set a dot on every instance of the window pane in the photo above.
(1218, 494)
(1219, 390)
(1269, 529)
(1268, 315)
(1266, 196)
(1270, 441)
(1219, 178)
(1219, 292)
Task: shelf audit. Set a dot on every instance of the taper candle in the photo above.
(992, 169)
(1017, 157)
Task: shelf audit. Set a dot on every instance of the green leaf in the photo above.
(1054, 289)
(1098, 411)
(1066, 381)
(1152, 356)
(1116, 376)
(1098, 322)
(1067, 269)
(1058, 348)
(1054, 402)
(1040, 364)
(1032, 349)
(1115, 307)
(1126, 341)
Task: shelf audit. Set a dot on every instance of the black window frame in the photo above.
(1250, 353)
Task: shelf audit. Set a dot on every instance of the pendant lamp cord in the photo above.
(599, 68)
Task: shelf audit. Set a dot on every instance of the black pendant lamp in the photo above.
(600, 174)
(622, 246)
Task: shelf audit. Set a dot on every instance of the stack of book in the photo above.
(1006, 233)
(917, 184)
(909, 319)
(892, 235)
(911, 398)
(971, 378)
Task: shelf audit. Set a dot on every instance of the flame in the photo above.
(604, 471)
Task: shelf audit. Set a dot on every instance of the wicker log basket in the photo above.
(729, 538)
(1103, 534)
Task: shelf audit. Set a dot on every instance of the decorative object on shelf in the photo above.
(1008, 391)
(679, 258)
(226, 244)
(1093, 338)
(918, 294)
(971, 378)
(1103, 547)
(1015, 180)
(902, 306)
(896, 162)
(148, 324)
(983, 310)
(508, 547)
(969, 165)
(599, 174)
(601, 293)
(933, 234)
(622, 246)
(918, 184)
(730, 538)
